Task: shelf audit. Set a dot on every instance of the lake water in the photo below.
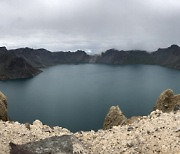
(79, 96)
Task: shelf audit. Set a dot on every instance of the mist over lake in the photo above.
(79, 96)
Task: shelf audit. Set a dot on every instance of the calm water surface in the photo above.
(78, 96)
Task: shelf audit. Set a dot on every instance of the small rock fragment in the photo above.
(130, 128)
(27, 125)
(177, 107)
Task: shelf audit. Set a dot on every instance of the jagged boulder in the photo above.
(66, 144)
(3, 107)
(114, 117)
(167, 101)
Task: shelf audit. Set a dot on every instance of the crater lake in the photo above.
(78, 97)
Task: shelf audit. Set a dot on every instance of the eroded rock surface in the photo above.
(114, 117)
(3, 107)
(167, 101)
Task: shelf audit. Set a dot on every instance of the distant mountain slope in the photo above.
(168, 57)
(43, 58)
(25, 62)
(114, 56)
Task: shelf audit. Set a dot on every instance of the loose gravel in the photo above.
(156, 133)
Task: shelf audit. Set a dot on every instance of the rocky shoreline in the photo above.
(158, 132)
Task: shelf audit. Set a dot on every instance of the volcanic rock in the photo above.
(3, 107)
(67, 144)
(17, 67)
(114, 117)
(167, 101)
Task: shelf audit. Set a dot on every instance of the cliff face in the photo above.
(113, 56)
(33, 59)
(17, 67)
(43, 58)
(168, 57)
(14, 66)
(25, 62)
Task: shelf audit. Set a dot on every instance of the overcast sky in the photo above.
(91, 25)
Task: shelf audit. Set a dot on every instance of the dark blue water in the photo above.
(78, 96)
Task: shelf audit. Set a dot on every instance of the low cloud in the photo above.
(91, 25)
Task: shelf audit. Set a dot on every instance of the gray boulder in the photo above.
(66, 144)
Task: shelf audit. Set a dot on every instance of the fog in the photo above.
(91, 25)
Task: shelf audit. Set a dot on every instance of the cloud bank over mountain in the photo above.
(91, 25)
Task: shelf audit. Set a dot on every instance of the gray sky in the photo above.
(91, 25)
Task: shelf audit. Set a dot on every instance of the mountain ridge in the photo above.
(34, 59)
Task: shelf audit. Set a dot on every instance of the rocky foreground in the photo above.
(156, 133)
